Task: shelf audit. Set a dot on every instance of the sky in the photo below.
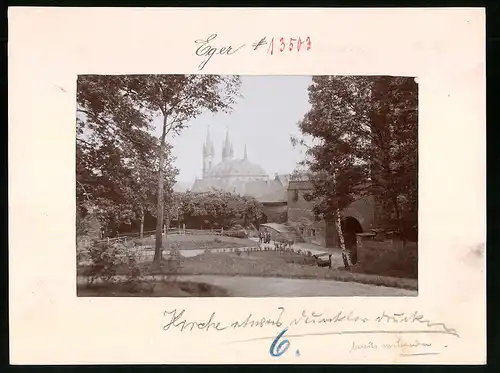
(263, 119)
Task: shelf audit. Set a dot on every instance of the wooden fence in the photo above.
(170, 232)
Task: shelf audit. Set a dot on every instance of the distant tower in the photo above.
(208, 154)
(227, 149)
(245, 154)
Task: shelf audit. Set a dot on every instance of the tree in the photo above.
(365, 133)
(252, 210)
(218, 209)
(117, 157)
(178, 99)
(110, 128)
(394, 124)
(143, 189)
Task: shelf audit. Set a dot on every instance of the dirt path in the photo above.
(242, 286)
(284, 287)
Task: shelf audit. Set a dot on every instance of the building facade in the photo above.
(356, 218)
(230, 174)
(283, 199)
(243, 177)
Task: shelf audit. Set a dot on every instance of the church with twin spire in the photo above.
(236, 175)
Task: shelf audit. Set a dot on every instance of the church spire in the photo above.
(227, 148)
(208, 147)
(208, 154)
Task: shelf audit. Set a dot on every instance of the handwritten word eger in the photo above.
(208, 50)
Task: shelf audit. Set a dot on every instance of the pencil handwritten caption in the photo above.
(208, 47)
(405, 326)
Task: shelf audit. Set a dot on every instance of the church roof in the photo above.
(262, 190)
(236, 176)
(236, 167)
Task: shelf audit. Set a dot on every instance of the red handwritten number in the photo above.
(271, 47)
(291, 45)
(299, 44)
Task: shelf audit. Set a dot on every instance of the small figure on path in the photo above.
(267, 237)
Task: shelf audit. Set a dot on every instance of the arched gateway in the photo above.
(358, 217)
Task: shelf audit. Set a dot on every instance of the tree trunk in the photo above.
(345, 254)
(160, 206)
(142, 223)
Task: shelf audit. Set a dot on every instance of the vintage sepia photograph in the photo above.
(246, 186)
(279, 191)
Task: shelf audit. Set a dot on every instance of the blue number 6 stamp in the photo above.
(279, 349)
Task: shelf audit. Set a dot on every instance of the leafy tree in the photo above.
(252, 210)
(218, 209)
(109, 130)
(145, 171)
(118, 160)
(394, 123)
(117, 157)
(177, 99)
(365, 132)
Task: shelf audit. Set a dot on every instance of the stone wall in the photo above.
(301, 216)
(363, 210)
(387, 256)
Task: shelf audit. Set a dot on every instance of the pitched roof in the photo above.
(274, 196)
(283, 179)
(266, 191)
(300, 184)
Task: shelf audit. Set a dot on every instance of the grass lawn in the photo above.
(384, 271)
(195, 241)
(274, 264)
(157, 289)
(259, 263)
(271, 264)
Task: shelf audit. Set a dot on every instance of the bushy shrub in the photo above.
(82, 250)
(105, 260)
(133, 274)
(173, 261)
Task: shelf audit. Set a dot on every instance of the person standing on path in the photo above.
(268, 237)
